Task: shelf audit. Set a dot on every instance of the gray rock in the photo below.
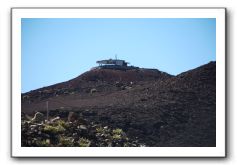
(88, 113)
(82, 121)
(72, 116)
(118, 84)
(93, 90)
(83, 127)
(38, 118)
(55, 119)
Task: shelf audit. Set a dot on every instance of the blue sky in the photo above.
(57, 50)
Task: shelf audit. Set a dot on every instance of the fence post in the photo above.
(47, 107)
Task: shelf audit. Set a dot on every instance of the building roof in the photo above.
(111, 61)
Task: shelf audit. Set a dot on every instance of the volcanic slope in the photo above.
(90, 89)
(152, 106)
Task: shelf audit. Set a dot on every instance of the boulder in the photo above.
(72, 116)
(83, 127)
(82, 121)
(93, 90)
(118, 84)
(38, 118)
(55, 119)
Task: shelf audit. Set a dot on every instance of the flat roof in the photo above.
(110, 61)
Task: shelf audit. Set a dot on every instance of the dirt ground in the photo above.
(154, 107)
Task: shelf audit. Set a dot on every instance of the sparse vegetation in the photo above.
(83, 142)
(66, 142)
(117, 131)
(62, 123)
(116, 137)
(53, 129)
(43, 143)
(156, 109)
(60, 133)
(99, 130)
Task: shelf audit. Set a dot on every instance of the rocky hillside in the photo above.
(102, 79)
(151, 107)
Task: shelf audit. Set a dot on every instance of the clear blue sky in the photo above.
(57, 50)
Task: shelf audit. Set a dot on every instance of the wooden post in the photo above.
(47, 107)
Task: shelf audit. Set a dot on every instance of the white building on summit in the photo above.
(115, 64)
(112, 62)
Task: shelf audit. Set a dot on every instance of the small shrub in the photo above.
(62, 123)
(117, 131)
(43, 143)
(83, 142)
(116, 137)
(99, 130)
(54, 129)
(66, 142)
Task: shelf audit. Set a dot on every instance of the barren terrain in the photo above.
(152, 107)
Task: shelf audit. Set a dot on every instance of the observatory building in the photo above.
(114, 64)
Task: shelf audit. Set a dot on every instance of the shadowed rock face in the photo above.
(152, 106)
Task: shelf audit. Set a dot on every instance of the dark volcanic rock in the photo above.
(157, 109)
(72, 116)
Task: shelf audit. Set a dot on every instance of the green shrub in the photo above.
(83, 142)
(99, 130)
(62, 123)
(66, 142)
(54, 129)
(117, 131)
(43, 143)
(116, 137)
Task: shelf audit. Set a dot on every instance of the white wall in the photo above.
(5, 6)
